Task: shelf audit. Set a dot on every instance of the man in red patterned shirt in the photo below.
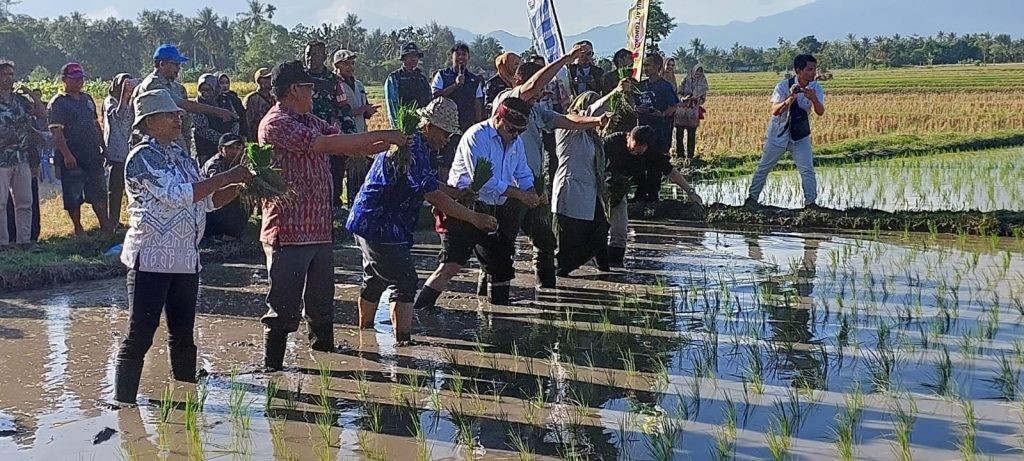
(296, 231)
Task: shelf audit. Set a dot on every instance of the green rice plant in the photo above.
(661, 440)
(290, 403)
(483, 171)
(277, 431)
(966, 440)
(628, 362)
(456, 383)
(362, 386)
(324, 373)
(166, 404)
(903, 423)
(203, 391)
(844, 436)
(521, 446)
(270, 393)
(1006, 379)
(127, 453)
(191, 411)
(407, 121)
(882, 366)
(754, 370)
(942, 377)
(324, 423)
(375, 420)
(778, 438)
(854, 401)
(267, 182)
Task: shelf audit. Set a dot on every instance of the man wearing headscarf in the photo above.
(506, 64)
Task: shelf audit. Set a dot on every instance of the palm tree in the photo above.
(258, 13)
(5, 8)
(698, 47)
(209, 33)
(156, 26)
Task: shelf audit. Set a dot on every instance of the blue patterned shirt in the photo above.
(165, 224)
(387, 207)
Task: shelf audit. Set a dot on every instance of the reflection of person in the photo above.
(497, 140)
(790, 129)
(297, 231)
(384, 215)
(167, 205)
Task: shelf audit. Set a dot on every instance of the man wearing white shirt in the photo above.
(790, 130)
(496, 140)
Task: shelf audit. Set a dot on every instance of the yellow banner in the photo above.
(637, 34)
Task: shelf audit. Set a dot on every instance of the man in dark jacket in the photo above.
(585, 75)
(408, 84)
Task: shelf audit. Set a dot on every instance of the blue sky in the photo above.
(509, 15)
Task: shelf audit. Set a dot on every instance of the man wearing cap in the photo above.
(167, 204)
(76, 133)
(166, 65)
(259, 102)
(385, 212)
(296, 231)
(354, 109)
(408, 84)
(530, 81)
(228, 222)
(498, 141)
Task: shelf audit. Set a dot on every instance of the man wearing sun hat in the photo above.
(498, 141)
(387, 208)
(78, 138)
(259, 102)
(167, 63)
(408, 84)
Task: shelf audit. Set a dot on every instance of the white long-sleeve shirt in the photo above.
(509, 165)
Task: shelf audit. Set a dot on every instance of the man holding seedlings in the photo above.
(387, 207)
(790, 130)
(493, 146)
(296, 231)
(530, 81)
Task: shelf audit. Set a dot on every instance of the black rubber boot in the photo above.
(481, 284)
(321, 337)
(500, 294)
(546, 276)
(126, 381)
(616, 257)
(426, 298)
(601, 258)
(274, 344)
(183, 364)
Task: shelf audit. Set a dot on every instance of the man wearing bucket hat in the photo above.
(385, 212)
(498, 141)
(259, 102)
(167, 204)
(167, 63)
(407, 84)
(297, 231)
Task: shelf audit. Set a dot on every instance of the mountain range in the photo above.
(825, 19)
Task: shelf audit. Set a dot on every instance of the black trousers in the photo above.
(149, 294)
(338, 180)
(301, 283)
(12, 229)
(537, 226)
(494, 252)
(686, 135)
(580, 240)
(649, 183)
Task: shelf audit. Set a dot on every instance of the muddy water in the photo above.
(985, 181)
(639, 364)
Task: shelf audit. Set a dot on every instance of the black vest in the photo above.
(799, 124)
(412, 87)
(464, 97)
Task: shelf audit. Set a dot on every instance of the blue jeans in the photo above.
(802, 156)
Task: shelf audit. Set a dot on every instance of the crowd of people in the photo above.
(562, 163)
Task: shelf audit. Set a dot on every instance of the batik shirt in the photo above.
(15, 131)
(388, 206)
(165, 223)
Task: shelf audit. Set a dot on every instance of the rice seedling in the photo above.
(375, 420)
(754, 371)
(661, 440)
(324, 425)
(456, 384)
(127, 453)
(882, 365)
(362, 386)
(778, 438)
(942, 382)
(844, 436)
(166, 404)
(191, 412)
(270, 393)
(966, 440)
(518, 443)
(1006, 379)
(267, 183)
(903, 423)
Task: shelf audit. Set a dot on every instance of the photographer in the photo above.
(790, 129)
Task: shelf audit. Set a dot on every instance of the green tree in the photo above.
(483, 50)
(659, 23)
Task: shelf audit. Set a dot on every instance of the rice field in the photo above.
(983, 181)
(713, 345)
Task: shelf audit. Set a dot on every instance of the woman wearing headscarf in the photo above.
(233, 100)
(693, 92)
(167, 205)
(580, 198)
(207, 129)
(506, 64)
(670, 73)
(117, 130)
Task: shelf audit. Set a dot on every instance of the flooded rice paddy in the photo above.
(711, 345)
(985, 181)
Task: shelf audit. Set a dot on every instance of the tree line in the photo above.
(251, 39)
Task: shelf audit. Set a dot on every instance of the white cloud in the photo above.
(104, 12)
